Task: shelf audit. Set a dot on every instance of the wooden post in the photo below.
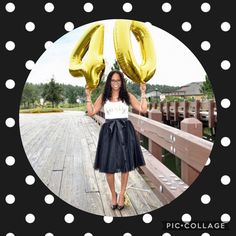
(153, 148)
(155, 105)
(211, 117)
(167, 110)
(197, 109)
(150, 106)
(192, 126)
(186, 106)
(176, 104)
(161, 107)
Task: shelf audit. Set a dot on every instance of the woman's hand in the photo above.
(143, 88)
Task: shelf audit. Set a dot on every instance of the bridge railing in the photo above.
(192, 150)
(202, 110)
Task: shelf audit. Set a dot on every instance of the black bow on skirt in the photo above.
(118, 148)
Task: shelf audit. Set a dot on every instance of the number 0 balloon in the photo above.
(124, 53)
(93, 67)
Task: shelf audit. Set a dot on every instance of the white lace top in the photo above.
(115, 110)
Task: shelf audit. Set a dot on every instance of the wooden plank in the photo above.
(141, 195)
(94, 203)
(44, 164)
(41, 167)
(35, 142)
(89, 177)
(193, 150)
(72, 184)
(55, 182)
(67, 189)
(63, 149)
(55, 144)
(62, 142)
(85, 173)
(168, 185)
(34, 138)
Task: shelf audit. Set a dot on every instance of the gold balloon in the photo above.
(124, 53)
(93, 67)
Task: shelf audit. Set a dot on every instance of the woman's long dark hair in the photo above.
(123, 94)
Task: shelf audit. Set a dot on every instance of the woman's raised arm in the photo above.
(93, 109)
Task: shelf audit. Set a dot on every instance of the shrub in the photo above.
(41, 110)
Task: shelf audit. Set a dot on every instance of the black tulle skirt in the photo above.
(118, 148)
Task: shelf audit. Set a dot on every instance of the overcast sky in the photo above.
(176, 64)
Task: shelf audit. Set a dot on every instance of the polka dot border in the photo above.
(69, 218)
(127, 7)
(10, 84)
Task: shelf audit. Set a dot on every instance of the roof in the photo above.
(189, 89)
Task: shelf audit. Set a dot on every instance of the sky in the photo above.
(176, 64)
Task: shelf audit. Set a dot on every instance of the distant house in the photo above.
(153, 94)
(191, 90)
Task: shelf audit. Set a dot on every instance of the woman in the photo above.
(118, 149)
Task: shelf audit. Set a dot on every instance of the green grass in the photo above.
(41, 110)
(208, 133)
(70, 109)
(80, 108)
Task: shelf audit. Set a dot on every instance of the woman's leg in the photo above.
(124, 181)
(111, 183)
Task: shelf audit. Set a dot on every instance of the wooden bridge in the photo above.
(61, 149)
(205, 111)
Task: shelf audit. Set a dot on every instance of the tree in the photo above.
(96, 92)
(30, 94)
(53, 92)
(173, 99)
(133, 87)
(207, 89)
(115, 66)
(71, 93)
